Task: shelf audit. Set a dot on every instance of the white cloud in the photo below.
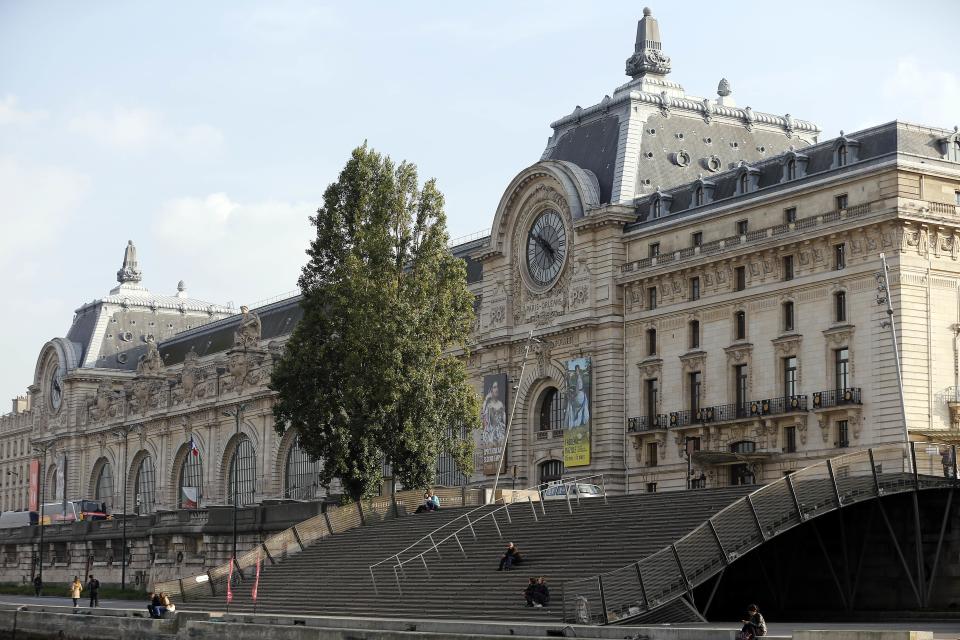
(137, 129)
(924, 94)
(10, 113)
(247, 250)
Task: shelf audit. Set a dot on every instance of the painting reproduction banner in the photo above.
(576, 416)
(493, 417)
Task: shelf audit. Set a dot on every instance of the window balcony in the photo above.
(777, 406)
(642, 424)
(835, 398)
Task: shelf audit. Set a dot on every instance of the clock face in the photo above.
(56, 388)
(546, 247)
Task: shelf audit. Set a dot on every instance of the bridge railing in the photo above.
(759, 516)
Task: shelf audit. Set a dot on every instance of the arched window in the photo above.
(243, 468)
(840, 306)
(551, 410)
(551, 471)
(698, 197)
(190, 484)
(791, 169)
(740, 325)
(103, 489)
(657, 207)
(842, 155)
(302, 474)
(694, 334)
(145, 487)
(744, 182)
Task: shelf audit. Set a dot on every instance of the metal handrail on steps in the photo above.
(505, 507)
(831, 484)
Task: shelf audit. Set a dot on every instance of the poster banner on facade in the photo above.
(34, 485)
(61, 494)
(576, 417)
(493, 416)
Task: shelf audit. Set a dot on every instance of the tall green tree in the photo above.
(374, 371)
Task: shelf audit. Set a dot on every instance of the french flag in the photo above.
(194, 450)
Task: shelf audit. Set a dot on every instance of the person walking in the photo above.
(75, 588)
(93, 588)
(37, 586)
(754, 626)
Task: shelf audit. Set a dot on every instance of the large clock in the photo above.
(56, 388)
(546, 247)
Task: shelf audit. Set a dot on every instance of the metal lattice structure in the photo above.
(243, 473)
(301, 474)
(673, 572)
(190, 483)
(145, 486)
(103, 491)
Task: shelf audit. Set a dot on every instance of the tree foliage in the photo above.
(371, 373)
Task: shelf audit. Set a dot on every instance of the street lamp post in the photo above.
(42, 449)
(237, 414)
(516, 396)
(124, 432)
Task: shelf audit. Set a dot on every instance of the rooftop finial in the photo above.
(723, 89)
(647, 57)
(129, 272)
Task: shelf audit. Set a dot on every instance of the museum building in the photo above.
(680, 293)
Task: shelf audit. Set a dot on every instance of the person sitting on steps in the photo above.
(529, 590)
(754, 626)
(155, 607)
(510, 557)
(430, 502)
(541, 594)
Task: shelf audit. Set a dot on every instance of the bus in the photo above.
(72, 511)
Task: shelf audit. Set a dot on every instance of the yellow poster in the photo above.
(576, 418)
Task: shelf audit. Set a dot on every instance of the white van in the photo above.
(560, 491)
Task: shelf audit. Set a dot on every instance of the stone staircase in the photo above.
(332, 577)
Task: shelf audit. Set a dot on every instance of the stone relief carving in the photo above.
(104, 404)
(151, 364)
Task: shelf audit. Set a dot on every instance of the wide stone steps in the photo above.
(332, 576)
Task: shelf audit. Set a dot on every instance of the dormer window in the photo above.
(950, 146)
(657, 207)
(842, 155)
(792, 169)
(698, 197)
(845, 151)
(748, 179)
(744, 183)
(659, 204)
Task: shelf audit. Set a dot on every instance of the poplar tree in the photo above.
(374, 373)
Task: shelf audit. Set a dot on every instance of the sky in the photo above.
(206, 132)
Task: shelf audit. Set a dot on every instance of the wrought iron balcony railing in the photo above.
(638, 424)
(835, 398)
(776, 406)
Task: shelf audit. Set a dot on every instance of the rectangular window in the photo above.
(740, 277)
(790, 376)
(841, 364)
(694, 334)
(788, 319)
(654, 249)
(789, 439)
(694, 379)
(651, 342)
(790, 215)
(843, 434)
(651, 487)
(652, 454)
(740, 388)
(740, 325)
(695, 288)
(957, 198)
(841, 201)
(840, 306)
(742, 227)
(788, 267)
(840, 256)
(697, 238)
(651, 397)
(651, 298)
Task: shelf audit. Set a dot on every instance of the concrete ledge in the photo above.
(854, 634)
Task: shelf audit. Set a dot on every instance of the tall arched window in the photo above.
(744, 183)
(657, 207)
(842, 155)
(190, 483)
(698, 196)
(551, 471)
(791, 169)
(302, 474)
(551, 410)
(103, 489)
(242, 482)
(145, 486)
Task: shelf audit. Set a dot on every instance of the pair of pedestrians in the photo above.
(76, 588)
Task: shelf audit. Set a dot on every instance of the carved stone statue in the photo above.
(151, 363)
(248, 331)
(129, 272)
(103, 404)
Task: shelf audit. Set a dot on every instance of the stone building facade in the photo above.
(681, 292)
